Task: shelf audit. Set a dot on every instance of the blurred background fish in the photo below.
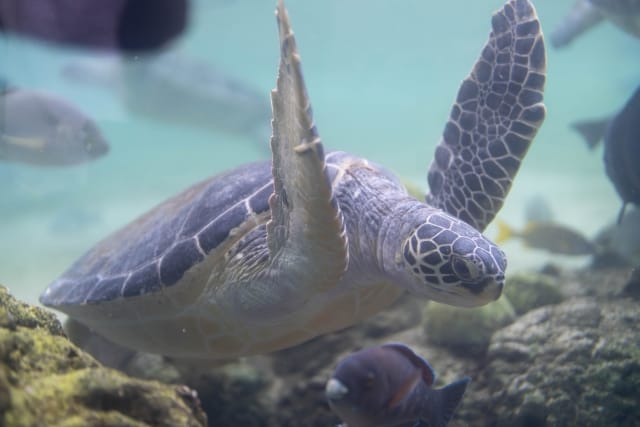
(623, 238)
(121, 25)
(541, 232)
(176, 88)
(554, 238)
(390, 385)
(40, 128)
(621, 135)
(586, 14)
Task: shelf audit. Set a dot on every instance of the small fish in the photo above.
(390, 385)
(537, 209)
(42, 129)
(554, 238)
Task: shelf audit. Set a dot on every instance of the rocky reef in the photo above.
(46, 380)
(560, 348)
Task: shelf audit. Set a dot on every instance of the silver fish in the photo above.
(40, 128)
(175, 88)
(390, 385)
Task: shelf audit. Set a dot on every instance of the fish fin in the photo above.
(505, 232)
(450, 397)
(581, 18)
(29, 143)
(592, 131)
(621, 213)
(428, 374)
(404, 390)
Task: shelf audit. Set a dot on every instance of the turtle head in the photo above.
(451, 262)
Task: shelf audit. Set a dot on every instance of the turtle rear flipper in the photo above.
(495, 117)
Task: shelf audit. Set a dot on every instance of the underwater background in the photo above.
(560, 348)
(381, 76)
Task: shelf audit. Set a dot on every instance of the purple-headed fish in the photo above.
(390, 385)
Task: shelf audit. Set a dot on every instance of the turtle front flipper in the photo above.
(495, 117)
(306, 237)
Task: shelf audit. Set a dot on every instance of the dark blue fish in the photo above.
(622, 152)
(122, 25)
(390, 385)
(621, 136)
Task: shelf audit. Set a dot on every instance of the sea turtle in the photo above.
(271, 254)
(585, 14)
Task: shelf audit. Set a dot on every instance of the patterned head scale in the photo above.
(453, 262)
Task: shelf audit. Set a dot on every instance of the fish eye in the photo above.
(88, 146)
(464, 268)
(369, 379)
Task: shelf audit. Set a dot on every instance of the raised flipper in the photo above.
(582, 17)
(496, 115)
(306, 231)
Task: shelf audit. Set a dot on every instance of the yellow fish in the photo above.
(554, 238)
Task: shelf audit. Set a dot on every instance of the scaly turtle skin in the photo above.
(269, 255)
(585, 14)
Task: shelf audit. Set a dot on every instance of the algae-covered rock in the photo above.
(467, 330)
(14, 313)
(46, 380)
(527, 291)
(572, 364)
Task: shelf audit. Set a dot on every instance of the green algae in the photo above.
(466, 329)
(527, 291)
(46, 380)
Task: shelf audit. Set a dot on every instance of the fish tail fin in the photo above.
(581, 18)
(505, 232)
(592, 130)
(450, 397)
(621, 213)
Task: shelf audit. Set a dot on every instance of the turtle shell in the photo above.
(156, 250)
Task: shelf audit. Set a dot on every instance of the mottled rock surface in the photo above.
(466, 330)
(527, 291)
(46, 380)
(574, 364)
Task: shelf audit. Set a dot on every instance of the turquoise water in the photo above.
(381, 75)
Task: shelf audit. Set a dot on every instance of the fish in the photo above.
(130, 26)
(622, 153)
(621, 136)
(390, 385)
(592, 130)
(549, 236)
(40, 128)
(151, 86)
(623, 238)
(537, 209)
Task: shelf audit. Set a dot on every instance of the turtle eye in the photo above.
(464, 268)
